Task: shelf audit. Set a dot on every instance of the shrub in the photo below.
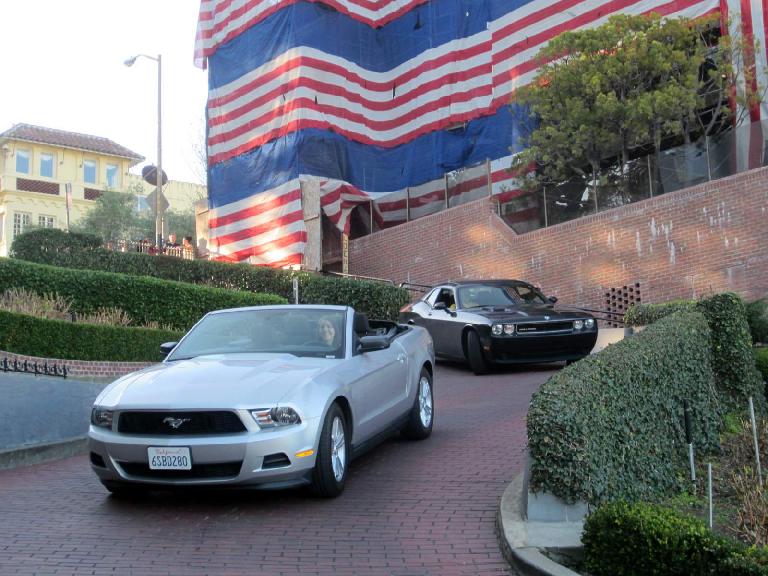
(623, 539)
(24, 334)
(757, 317)
(644, 314)
(761, 362)
(145, 300)
(732, 360)
(376, 299)
(611, 425)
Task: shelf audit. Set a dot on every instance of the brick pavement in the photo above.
(409, 509)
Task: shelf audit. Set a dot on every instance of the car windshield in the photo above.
(309, 332)
(480, 296)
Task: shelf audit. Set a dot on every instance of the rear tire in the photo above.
(477, 361)
(422, 414)
(330, 473)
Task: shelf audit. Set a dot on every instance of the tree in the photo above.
(112, 217)
(605, 95)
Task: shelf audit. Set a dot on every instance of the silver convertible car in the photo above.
(273, 397)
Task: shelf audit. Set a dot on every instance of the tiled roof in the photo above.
(30, 133)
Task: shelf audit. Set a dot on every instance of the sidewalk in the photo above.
(43, 417)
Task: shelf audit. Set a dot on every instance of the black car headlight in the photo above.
(506, 329)
(578, 324)
(274, 417)
(589, 323)
(102, 417)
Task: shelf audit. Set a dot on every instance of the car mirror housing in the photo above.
(552, 299)
(373, 343)
(166, 347)
(440, 306)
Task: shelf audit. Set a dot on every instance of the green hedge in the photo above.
(640, 539)
(644, 314)
(761, 362)
(25, 334)
(50, 246)
(611, 425)
(757, 317)
(174, 304)
(732, 360)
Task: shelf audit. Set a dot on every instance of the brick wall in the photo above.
(77, 368)
(708, 238)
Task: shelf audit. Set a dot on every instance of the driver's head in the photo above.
(326, 331)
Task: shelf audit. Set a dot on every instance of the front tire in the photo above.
(330, 473)
(477, 361)
(422, 414)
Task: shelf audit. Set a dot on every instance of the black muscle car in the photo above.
(501, 321)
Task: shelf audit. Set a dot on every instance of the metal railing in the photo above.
(27, 367)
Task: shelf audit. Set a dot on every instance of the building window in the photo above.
(89, 171)
(112, 176)
(46, 165)
(22, 161)
(21, 220)
(46, 221)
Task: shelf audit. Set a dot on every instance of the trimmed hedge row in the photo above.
(611, 425)
(59, 248)
(761, 362)
(640, 539)
(31, 336)
(732, 359)
(175, 304)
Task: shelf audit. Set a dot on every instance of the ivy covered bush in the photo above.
(644, 314)
(757, 317)
(611, 425)
(59, 248)
(175, 304)
(23, 334)
(761, 362)
(641, 539)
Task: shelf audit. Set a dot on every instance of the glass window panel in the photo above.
(22, 161)
(89, 171)
(112, 176)
(46, 165)
(46, 221)
(21, 221)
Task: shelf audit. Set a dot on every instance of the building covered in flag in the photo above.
(331, 117)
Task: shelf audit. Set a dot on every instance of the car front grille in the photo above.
(544, 327)
(198, 471)
(170, 423)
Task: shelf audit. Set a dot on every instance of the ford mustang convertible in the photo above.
(501, 321)
(272, 397)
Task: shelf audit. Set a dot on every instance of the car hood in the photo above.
(530, 313)
(216, 381)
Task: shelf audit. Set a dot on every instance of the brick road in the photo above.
(409, 509)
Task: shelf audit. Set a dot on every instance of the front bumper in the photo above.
(543, 347)
(251, 458)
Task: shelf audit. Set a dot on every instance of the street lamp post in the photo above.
(159, 171)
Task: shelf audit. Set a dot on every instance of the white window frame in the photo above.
(53, 165)
(23, 152)
(21, 221)
(116, 184)
(44, 221)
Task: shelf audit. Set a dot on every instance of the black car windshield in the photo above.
(309, 332)
(478, 296)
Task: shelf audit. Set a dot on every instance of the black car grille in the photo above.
(162, 423)
(198, 471)
(543, 327)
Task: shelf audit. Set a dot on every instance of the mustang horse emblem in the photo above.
(175, 423)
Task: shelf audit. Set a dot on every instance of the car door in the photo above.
(444, 324)
(380, 390)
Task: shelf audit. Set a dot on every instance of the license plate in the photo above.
(169, 458)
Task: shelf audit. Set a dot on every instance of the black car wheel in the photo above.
(422, 414)
(477, 361)
(330, 471)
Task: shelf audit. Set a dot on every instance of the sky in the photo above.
(63, 67)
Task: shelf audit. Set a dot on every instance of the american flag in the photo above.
(385, 100)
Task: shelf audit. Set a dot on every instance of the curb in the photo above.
(513, 536)
(38, 453)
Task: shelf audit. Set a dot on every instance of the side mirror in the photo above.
(373, 343)
(440, 306)
(552, 299)
(166, 347)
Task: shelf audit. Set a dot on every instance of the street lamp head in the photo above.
(130, 61)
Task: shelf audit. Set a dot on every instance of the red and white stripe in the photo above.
(265, 228)
(222, 20)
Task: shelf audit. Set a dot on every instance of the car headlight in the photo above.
(578, 324)
(509, 329)
(102, 417)
(497, 329)
(274, 417)
(589, 323)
